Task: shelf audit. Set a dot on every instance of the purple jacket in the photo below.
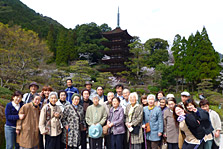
(117, 118)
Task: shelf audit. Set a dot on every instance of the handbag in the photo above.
(105, 130)
(81, 125)
(135, 130)
(147, 125)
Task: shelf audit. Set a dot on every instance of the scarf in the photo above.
(151, 107)
(131, 110)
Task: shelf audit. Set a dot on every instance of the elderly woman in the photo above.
(116, 124)
(12, 115)
(133, 121)
(153, 117)
(73, 119)
(49, 123)
(28, 129)
(62, 102)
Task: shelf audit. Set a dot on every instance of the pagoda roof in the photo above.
(117, 32)
(113, 52)
(112, 70)
(114, 60)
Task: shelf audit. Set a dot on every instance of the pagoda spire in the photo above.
(118, 23)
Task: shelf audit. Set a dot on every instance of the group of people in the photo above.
(69, 119)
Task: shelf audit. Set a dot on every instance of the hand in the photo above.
(144, 126)
(57, 115)
(67, 127)
(110, 125)
(128, 125)
(164, 135)
(21, 116)
(217, 133)
(195, 110)
(108, 122)
(17, 132)
(159, 134)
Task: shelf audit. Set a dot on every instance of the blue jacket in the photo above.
(156, 122)
(11, 114)
(70, 91)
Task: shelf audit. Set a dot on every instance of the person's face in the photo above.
(144, 101)
(126, 95)
(119, 91)
(63, 96)
(160, 95)
(17, 99)
(132, 100)
(36, 100)
(190, 107)
(46, 93)
(162, 103)
(33, 88)
(86, 95)
(179, 111)
(69, 83)
(109, 97)
(205, 107)
(115, 103)
(95, 101)
(53, 99)
(171, 104)
(100, 91)
(88, 86)
(76, 100)
(151, 101)
(184, 98)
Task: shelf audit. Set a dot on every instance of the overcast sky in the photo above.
(143, 18)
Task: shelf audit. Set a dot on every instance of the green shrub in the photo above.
(140, 91)
(5, 93)
(219, 111)
(153, 89)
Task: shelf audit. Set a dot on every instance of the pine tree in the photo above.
(62, 50)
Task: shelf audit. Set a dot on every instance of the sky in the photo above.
(143, 18)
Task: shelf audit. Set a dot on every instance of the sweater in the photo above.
(11, 114)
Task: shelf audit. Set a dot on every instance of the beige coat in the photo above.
(51, 127)
(28, 127)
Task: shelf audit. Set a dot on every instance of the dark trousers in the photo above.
(172, 145)
(214, 146)
(41, 146)
(126, 144)
(83, 140)
(96, 143)
(152, 144)
(188, 146)
(52, 142)
(107, 141)
(117, 141)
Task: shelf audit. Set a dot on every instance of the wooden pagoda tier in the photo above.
(118, 52)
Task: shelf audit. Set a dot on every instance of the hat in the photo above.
(170, 96)
(95, 131)
(34, 83)
(53, 93)
(88, 83)
(75, 94)
(185, 94)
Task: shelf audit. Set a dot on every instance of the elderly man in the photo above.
(101, 96)
(96, 116)
(119, 89)
(184, 97)
(88, 85)
(28, 97)
(153, 116)
(125, 100)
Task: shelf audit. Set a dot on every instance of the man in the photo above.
(119, 88)
(28, 97)
(215, 121)
(70, 90)
(96, 116)
(101, 96)
(88, 85)
(184, 97)
(125, 100)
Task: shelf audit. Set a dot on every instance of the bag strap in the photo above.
(77, 113)
(27, 97)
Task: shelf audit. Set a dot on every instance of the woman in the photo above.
(62, 102)
(186, 120)
(12, 115)
(73, 119)
(203, 117)
(159, 95)
(28, 129)
(171, 129)
(49, 123)
(116, 124)
(133, 121)
(45, 95)
(144, 101)
(153, 117)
